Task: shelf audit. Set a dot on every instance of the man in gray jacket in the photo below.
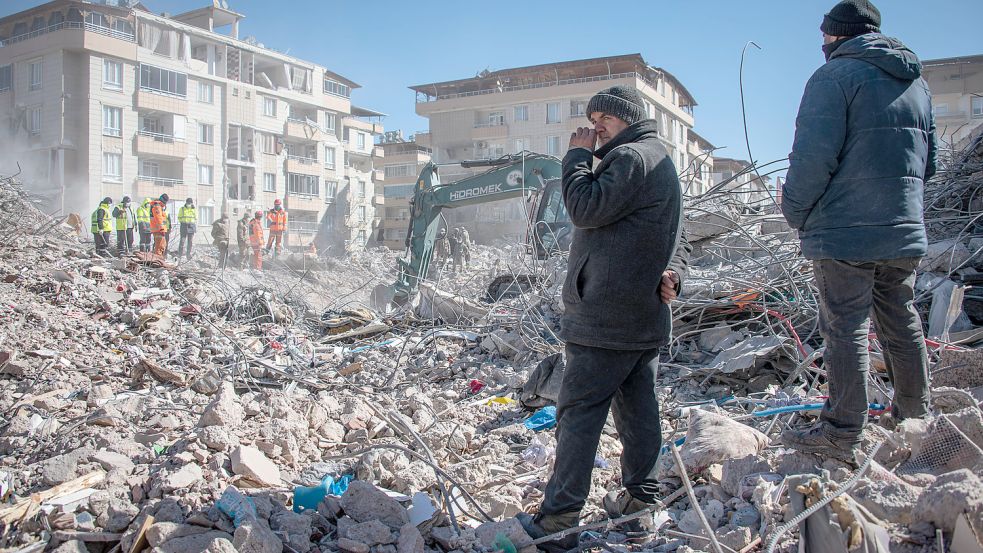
(627, 214)
(864, 147)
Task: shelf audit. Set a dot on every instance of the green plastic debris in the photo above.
(159, 449)
(504, 544)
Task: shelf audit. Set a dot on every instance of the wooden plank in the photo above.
(28, 507)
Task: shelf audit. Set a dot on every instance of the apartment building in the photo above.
(104, 98)
(957, 97)
(696, 177)
(535, 109)
(743, 183)
(404, 160)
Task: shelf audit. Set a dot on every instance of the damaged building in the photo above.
(108, 99)
(535, 108)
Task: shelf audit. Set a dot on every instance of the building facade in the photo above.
(405, 160)
(736, 178)
(957, 98)
(535, 109)
(104, 100)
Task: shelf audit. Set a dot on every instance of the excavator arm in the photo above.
(509, 177)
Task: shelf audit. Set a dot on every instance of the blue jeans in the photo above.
(849, 292)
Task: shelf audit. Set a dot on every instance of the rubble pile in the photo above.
(186, 408)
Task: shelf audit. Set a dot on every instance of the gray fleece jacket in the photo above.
(627, 215)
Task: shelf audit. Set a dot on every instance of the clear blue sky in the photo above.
(387, 45)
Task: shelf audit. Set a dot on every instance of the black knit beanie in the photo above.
(623, 102)
(852, 18)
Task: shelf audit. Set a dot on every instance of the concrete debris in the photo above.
(202, 399)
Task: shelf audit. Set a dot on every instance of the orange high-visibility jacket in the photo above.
(277, 219)
(158, 217)
(256, 232)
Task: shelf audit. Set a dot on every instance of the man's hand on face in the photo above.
(585, 137)
(667, 289)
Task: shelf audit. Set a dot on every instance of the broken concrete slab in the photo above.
(251, 463)
(364, 502)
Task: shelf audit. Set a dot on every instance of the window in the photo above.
(400, 191)
(112, 167)
(206, 174)
(553, 145)
(940, 109)
(269, 107)
(336, 88)
(402, 170)
(206, 133)
(664, 127)
(35, 122)
(329, 121)
(206, 215)
(206, 93)
(361, 213)
(496, 118)
(361, 238)
(553, 112)
(521, 145)
(235, 92)
(361, 189)
(977, 104)
(248, 94)
(269, 182)
(112, 121)
(308, 185)
(112, 74)
(150, 169)
(578, 108)
(361, 141)
(269, 144)
(329, 157)
(163, 81)
(520, 113)
(36, 71)
(97, 19)
(6, 77)
(330, 189)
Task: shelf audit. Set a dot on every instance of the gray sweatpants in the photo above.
(596, 380)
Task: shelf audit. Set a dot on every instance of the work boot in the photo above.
(620, 503)
(544, 525)
(814, 439)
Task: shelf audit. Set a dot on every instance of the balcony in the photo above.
(151, 100)
(304, 165)
(378, 175)
(378, 200)
(303, 129)
(160, 181)
(489, 131)
(302, 227)
(161, 145)
(378, 151)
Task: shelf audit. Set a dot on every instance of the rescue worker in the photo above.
(220, 236)
(143, 224)
(125, 220)
(242, 239)
(187, 216)
(457, 250)
(441, 248)
(277, 220)
(160, 224)
(466, 246)
(102, 226)
(256, 240)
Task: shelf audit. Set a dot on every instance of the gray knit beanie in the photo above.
(852, 18)
(623, 102)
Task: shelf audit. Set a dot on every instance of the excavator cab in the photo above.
(551, 231)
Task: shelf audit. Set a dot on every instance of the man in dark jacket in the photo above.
(627, 214)
(864, 147)
(242, 238)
